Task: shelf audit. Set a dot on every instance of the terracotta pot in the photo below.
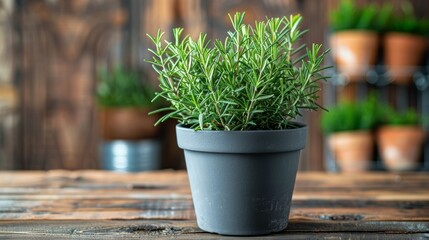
(352, 150)
(400, 146)
(128, 124)
(403, 54)
(354, 52)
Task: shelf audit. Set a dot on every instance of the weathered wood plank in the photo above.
(183, 209)
(305, 179)
(166, 195)
(203, 236)
(144, 205)
(188, 229)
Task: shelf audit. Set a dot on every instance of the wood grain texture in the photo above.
(144, 229)
(106, 205)
(61, 43)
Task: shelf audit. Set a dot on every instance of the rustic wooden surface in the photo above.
(95, 204)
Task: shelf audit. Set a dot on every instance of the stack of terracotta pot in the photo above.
(400, 140)
(399, 136)
(354, 52)
(355, 40)
(402, 37)
(353, 150)
(125, 103)
(350, 128)
(359, 35)
(403, 55)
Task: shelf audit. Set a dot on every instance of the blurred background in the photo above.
(74, 86)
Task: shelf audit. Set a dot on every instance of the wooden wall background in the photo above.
(7, 92)
(58, 45)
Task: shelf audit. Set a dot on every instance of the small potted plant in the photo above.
(349, 128)
(400, 139)
(130, 139)
(405, 44)
(355, 39)
(236, 101)
(125, 103)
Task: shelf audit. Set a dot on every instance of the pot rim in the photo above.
(184, 128)
(403, 34)
(248, 141)
(387, 127)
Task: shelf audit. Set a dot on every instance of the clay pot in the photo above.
(400, 146)
(128, 124)
(352, 150)
(354, 52)
(403, 54)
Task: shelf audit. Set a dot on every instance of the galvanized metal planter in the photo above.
(131, 156)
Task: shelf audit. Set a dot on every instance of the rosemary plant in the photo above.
(257, 78)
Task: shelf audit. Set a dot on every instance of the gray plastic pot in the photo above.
(242, 181)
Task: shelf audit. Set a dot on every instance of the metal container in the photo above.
(131, 156)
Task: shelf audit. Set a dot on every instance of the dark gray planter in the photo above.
(242, 181)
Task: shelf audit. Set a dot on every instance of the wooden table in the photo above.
(105, 205)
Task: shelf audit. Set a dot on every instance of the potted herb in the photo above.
(125, 103)
(236, 101)
(400, 139)
(349, 128)
(405, 44)
(355, 40)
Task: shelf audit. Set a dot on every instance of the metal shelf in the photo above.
(379, 76)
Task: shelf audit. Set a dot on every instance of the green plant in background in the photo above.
(352, 116)
(349, 16)
(408, 22)
(257, 78)
(383, 17)
(396, 118)
(122, 88)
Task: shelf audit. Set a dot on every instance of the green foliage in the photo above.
(408, 22)
(351, 116)
(122, 88)
(396, 118)
(255, 79)
(349, 16)
(384, 16)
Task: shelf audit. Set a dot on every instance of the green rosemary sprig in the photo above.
(257, 78)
